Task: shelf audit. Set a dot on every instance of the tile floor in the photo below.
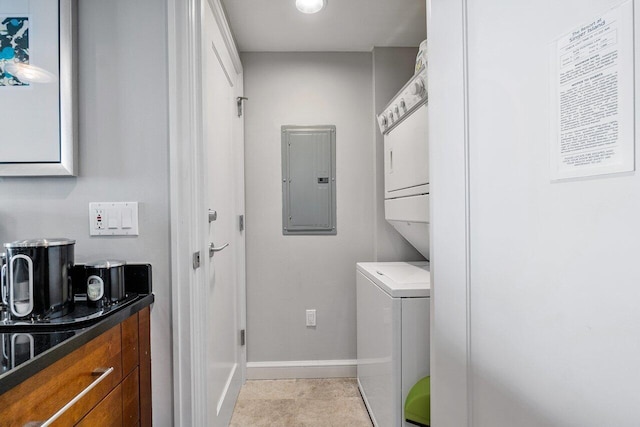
(331, 402)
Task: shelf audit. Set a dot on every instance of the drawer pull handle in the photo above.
(104, 373)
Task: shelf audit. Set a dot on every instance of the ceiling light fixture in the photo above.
(310, 6)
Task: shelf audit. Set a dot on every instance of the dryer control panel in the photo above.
(410, 97)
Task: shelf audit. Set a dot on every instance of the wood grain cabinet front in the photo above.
(97, 384)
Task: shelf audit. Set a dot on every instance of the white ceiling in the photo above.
(343, 25)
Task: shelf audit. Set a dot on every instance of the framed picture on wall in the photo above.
(38, 129)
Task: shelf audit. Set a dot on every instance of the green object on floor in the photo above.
(417, 407)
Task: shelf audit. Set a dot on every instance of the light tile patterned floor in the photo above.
(331, 402)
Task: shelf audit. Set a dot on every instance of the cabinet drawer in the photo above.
(108, 413)
(44, 394)
(119, 409)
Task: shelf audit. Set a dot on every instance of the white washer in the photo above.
(392, 335)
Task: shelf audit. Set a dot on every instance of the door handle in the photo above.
(213, 249)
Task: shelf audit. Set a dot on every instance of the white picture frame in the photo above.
(63, 109)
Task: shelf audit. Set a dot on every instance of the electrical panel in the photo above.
(308, 180)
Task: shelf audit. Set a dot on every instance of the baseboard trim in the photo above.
(290, 369)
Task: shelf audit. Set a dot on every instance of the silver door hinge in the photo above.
(239, 100)
(243, 339)
(241, 222)
(196, 260)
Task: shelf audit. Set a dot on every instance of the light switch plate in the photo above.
(113, 219)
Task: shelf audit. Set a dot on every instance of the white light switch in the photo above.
(113, 219)
(127, 217)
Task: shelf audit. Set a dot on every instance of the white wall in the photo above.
(288, 274)
(123, 156)
(392, 68)
(553, 286)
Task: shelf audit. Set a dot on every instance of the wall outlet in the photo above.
(311, 317)
(113, 219)
(97, 216)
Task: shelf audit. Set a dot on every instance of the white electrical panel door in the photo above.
(406, 157)
(308, 180)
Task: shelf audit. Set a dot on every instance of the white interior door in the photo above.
(223, 358)
(208, 294)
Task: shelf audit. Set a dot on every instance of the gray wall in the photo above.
(123, 157)
(288, 274)
(392, 68)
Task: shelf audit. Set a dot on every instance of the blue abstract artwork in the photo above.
(14, 47)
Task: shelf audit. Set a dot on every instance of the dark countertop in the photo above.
(51, 343)
(51, 346)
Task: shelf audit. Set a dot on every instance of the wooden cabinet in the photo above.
(121, 397)
(107, 413)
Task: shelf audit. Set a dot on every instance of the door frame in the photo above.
(187, 202)
(450, 178)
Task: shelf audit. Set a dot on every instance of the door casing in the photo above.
(188, 210)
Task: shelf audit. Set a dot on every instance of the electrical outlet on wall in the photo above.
(311, 317)
(113, 219)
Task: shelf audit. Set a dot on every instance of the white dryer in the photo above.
(404, 124)
(392, 335)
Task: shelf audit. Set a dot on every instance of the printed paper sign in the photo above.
(592, 120)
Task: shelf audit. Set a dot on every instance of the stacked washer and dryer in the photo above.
(393, 297)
